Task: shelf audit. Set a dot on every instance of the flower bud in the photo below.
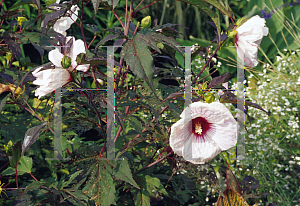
(100, 81)
(146, 22)
(21, 20)
(232, 34)
(160, 45)
(66, 62)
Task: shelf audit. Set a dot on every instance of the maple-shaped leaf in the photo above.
(100, 186)
(137, 55)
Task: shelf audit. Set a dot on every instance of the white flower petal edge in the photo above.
(248, 39)
(222, 134)
(49, 80)
(80, 48)
(55, 57)
(64, 23)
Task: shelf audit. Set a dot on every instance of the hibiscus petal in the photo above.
(55, 57)
(77, 48)
(83, 68)
(248, 39)
(51, 79)
(203, 152)
(178, 136)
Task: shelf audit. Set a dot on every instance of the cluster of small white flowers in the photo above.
(275, 92)
(200, 62)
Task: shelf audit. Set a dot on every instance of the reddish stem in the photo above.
(118, 19)
(33, 177)
(81, 27)
(17, 177)
(209, 60)
(232, 20)
(154, 163)
(94, 77)
(92, 41)
(147, 5)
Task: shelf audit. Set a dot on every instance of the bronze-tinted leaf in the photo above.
(225, 77)
(231, 198)
(229, 97)
(232, 182)
(14, 46)
(31, 136)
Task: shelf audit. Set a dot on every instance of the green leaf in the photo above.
(142, 198)
(8, 13)
(107, 38)
(3, 98)
(77, 195)
(22, 200)
(201, 4)
(147, 184)
(220, 6)
(81, 59)
(20, 4)
(154, 184)
(72, 177)
(106, 188)
(10, 171)
(138, 56)
(123, 172)
(16, 154)
(136, 125)
(100, 186)
(33, 186)
(25, 164)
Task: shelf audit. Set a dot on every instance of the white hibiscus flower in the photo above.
(248, 39)
(50, 80)
(64, 23)
(203, 131)
(77, 47)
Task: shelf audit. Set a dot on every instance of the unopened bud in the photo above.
(21, 20)
(146, 22)
(160, 45)
(66, 62)
(232, 34)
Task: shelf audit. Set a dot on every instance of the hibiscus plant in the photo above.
(111, 115)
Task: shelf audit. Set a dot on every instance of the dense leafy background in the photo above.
(143, 121)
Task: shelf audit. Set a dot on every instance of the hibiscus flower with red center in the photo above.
(203, 131)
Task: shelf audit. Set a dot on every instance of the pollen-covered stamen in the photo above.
(198, 128)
